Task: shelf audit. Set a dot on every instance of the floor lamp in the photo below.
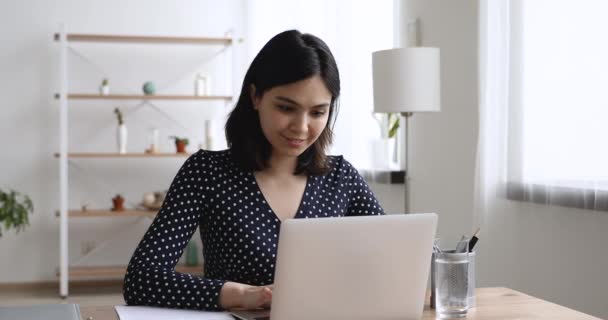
(406, 80)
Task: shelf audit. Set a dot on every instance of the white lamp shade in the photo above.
(406, 80)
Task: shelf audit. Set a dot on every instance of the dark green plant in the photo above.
(14, 210)
(118, 115)
(177, 139)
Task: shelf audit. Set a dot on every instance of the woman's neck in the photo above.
(280, 165)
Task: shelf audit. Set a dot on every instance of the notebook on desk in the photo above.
(372, 267)
(41, 312)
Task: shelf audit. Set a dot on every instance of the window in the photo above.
(564, 93)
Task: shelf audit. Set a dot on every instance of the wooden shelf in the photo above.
(110, 213)
(125, 155)
(75, 37)
(94, 96)
(108, 271)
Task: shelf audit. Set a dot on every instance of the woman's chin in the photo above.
(291, 151)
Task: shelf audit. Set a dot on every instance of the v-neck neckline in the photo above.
(300, 205)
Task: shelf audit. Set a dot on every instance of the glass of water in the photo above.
(451, 284)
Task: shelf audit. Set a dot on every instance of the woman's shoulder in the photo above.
(211, 154)
(340, 166)
(210, 158)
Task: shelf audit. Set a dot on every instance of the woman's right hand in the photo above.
(237, 295)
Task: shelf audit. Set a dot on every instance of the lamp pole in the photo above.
(406, 178)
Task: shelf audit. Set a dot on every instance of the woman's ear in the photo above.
(254, 99)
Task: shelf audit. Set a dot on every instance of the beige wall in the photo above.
(554, 253)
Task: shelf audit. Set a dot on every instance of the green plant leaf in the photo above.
(393, 130)
(14, 210)
(393, 124)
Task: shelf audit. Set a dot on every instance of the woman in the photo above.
(275, 169)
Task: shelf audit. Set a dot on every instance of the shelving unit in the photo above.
(124, 155)
(117, 271)
(110, 213)
(65, 272)
(89, 96)
(75, 37)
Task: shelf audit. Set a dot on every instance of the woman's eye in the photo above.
(285, 108)
(318, 113)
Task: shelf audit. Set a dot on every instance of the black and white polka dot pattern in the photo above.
(238, 229)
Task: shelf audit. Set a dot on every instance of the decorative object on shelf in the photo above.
(201, 85)
(153, 145)
(180, 143)
(192, 254)
(104, 88)
(208, 135)
(386, 149)
(121, 132)
(14, 210)
(149, 88)
(84, 207)
(153, 200)
(118, 203)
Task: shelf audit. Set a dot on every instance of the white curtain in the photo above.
(494, 100)
(540, 233)
(537, 145)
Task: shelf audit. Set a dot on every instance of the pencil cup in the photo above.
(452, 274)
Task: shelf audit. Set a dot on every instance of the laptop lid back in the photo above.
(371, 267)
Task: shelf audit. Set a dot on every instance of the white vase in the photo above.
(201, 85)
(392, 154)
(122, 138)
(383, 153)
(104, 90)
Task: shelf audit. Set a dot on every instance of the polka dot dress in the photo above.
(238, 229)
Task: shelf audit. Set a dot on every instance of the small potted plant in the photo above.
(121, 132)
(180, 143)
(104, 89)
(14, 210)
(118, 203)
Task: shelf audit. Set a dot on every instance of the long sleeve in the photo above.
(362, 201)
(151, 279)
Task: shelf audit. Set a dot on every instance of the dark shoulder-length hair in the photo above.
(288, 57)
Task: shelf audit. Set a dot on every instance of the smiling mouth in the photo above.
(294, 141)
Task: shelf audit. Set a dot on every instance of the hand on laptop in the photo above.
(243, 296)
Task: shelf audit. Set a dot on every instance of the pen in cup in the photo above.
(473, 240)
(462, 245)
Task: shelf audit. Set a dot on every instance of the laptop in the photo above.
(37, 312)
(370, 267)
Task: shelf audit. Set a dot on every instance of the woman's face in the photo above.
(293, 116)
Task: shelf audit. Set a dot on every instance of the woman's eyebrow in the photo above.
(285, 99)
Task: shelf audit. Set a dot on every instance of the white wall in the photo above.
(553, 253)
(29, 115)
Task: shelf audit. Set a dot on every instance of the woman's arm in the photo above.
(362, 201)
(151, 279)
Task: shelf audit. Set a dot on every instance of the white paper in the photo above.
(154, 313)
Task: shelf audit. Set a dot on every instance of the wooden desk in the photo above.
(492, 303)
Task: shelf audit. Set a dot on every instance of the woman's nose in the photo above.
(300, 123)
